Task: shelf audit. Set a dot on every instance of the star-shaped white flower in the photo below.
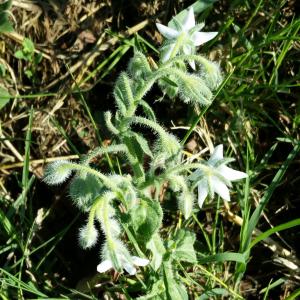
(215, 177)
(127, 263)
(188, 33)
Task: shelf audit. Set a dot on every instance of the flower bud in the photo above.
(88, 235)
(57, 172)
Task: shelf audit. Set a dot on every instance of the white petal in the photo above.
(138, 261)
(231, 174)
(195, 175)
(104, 266)
(192, 64)
(130, 269)
(187, 49)
(220, 188)
(166, 54)
(217, 154)
(200, 38)
(202, 192)
(189, 21)
(167, 32)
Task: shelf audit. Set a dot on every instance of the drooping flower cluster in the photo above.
(105, 197)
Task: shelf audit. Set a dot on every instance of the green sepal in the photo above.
(146, 219)
(193, 89)
(168, 86)
(138, 66)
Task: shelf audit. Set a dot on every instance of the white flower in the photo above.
(215, 177)
(125, 262)
(188, 33)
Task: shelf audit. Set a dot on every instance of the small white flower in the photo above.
(188, 32)
(128, 264)
(215, 177)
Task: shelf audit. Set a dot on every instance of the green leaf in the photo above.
(181, 246)
(28, 73)
(123, 89)
(83, 189)
(28, 46)
(156, 292)
(6, 5)
(146, 219)
(143, 144)
(186, 204)
(5, 25)
(4, 97)
(147, 110)
(174, 289)
(2, 70)
(177, 290)
(20, 55)
(135, 155)
(213, 293)
(156, 246)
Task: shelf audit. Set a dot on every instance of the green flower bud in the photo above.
(88, 236)
(57, 172)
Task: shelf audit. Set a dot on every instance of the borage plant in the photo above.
(126, 205)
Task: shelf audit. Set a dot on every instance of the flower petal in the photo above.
(200, 38)
(138, 261)
(104, 266)
(196, 175)
(220, 188)
(231, 174)
(187, 49)
(130, 269)
(202, 192)
(217, 154)
(167, 32)
(166, 52)
(189, 21)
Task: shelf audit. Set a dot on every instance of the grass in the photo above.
(255, 114)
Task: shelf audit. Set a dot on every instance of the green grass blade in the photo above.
(25, 172)
(294, 295)
(273, 230)
(267, 196)
(225, 256)
(15, 283)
